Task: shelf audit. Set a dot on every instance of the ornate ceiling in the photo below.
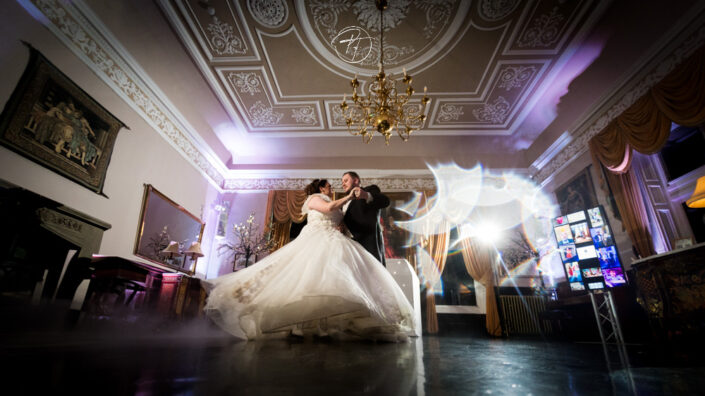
(280, 68)
(514, 84)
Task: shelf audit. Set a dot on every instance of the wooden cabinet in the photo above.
(671, 288)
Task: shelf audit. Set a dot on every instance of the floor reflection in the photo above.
(314, 367)
(198, 359)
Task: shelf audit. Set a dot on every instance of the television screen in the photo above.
(595, 217)
(568, 253)
(586, 252)
(614, 277)
(581, 233)
(572, 272)
(559, 221)
(592, 272)
(576, 217)
(563, 235)
(587, 249)
(608, 257)
(596, 285)
(601, 236)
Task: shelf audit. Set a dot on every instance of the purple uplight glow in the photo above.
(545, 109)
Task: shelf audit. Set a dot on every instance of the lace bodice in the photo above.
(316, 218)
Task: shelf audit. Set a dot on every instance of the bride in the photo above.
(321, 283)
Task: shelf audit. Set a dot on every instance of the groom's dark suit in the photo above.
(362, 219)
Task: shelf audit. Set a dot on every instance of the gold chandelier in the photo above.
(384, 108)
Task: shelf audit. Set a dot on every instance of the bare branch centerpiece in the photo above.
(249, 242)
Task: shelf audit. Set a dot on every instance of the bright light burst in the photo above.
(485, 204)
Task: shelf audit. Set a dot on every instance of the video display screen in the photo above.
(581, 233)
(568, 253)
(573, 272)
(588, 251)
(563, 235)
(576, 217)
(595, 217)
(601, 236)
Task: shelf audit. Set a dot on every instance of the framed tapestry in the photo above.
(577, 194)
(163, 222)
(53, 122)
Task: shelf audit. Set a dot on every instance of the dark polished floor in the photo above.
(44, 352)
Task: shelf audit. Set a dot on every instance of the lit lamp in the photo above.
(697, 200)
(194, 251)
(171, 250)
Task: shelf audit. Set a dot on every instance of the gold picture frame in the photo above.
(162, 221)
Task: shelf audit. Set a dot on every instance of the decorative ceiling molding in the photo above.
(251, 90)
(225, 40)
(386, 184)
(324, 16)
(269, 13)
(82, 32)
(526, 45)
(662, 60)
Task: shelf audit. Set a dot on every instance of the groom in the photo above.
(362, 214)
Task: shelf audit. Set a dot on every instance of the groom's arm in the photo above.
(379, 200)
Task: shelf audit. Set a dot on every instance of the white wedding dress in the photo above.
(321, 283)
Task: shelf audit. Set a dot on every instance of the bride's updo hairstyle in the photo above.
(315, 186)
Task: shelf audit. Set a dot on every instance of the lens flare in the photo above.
(488, 205)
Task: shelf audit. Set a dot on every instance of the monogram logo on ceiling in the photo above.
(353, 44)
(344, 27)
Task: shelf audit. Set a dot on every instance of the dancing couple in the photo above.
(324, 282)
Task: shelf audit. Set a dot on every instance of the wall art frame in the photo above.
(53, 122)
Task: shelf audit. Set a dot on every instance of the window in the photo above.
(683, 152)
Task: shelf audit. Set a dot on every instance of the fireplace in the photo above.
(35, 239)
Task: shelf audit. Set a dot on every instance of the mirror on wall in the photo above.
(166, 231)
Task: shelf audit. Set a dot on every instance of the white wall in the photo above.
(140, 154)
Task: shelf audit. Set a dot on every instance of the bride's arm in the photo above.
(317, 203)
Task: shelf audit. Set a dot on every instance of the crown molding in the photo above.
(671, 51)
(387, 184)
(82, 32)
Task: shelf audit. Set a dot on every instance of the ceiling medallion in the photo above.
(269, 13)
(383, 109)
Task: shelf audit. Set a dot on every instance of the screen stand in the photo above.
(611, 333)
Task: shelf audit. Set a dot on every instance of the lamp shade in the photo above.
(194, 250)
(171, 250)
(697, 200)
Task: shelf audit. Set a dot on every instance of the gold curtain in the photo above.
(283, 208)
(479, 261)
(645, 125)
(437, 247)
(681, 94)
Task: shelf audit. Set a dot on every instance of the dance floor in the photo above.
(43, 353)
